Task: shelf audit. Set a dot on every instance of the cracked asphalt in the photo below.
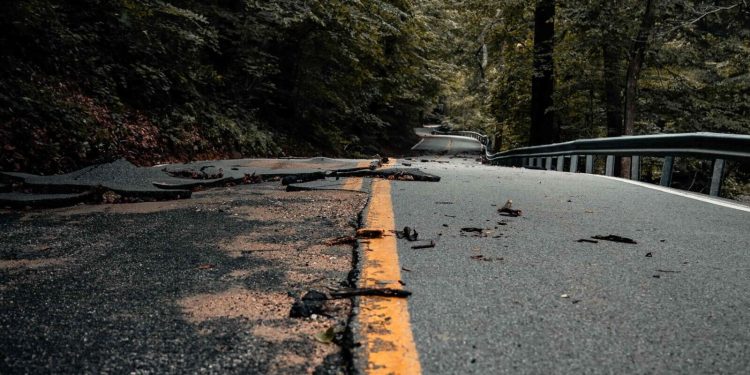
(190, 286)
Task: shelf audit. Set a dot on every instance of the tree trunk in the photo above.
(636, 64)
(543, 129)
(613, 97)
(634, 70)
(613, 90)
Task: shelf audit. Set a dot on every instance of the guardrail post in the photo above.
(635, 167)
(589, 164)
(549, 163)
(524, 162)
(716, 177)
(560, 163)
(539, 162)
(574, 164)
(610, 169)
(666, 171)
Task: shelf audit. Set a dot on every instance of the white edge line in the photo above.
(706, 199)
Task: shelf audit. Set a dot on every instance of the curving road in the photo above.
(525, 296)
(447, 144)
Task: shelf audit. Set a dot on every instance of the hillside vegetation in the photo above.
(156, 80)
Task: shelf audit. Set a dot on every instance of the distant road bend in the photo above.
(439, 144)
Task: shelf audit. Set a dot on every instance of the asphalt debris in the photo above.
(615, 238)
(369, 233)
(251, 178)
(668, 271)
(408, 233)
(302, 177)
(649, 255)
(424, 246)
(508, 210)
(398, 174)
(587, 240)
(206, 172)
(311, 303)
(477, 232)
(483, 258)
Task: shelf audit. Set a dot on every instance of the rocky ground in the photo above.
(188, 286)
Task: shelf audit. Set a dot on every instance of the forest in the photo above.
(156, 80)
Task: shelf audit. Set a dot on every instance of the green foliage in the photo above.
(189, 79)
(157, 80)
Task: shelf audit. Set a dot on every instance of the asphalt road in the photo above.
(446, 143)
(537, 301)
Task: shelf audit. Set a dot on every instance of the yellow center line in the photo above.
(389, 344)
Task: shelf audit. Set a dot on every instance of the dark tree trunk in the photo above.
(636, 64)
(613, 97)
(543, 129)
(613, 90)
(634, 71)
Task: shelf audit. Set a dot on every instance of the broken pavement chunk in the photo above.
(403, 174)
(408, 233)
(508, 209)
(311, 303)
(615, 238)
(251, 179)
(478, 232)
(302, 177)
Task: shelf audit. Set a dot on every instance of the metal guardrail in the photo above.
(716, 146)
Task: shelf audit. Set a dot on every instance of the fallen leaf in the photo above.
(326, 337)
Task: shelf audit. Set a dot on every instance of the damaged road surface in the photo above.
(204, 285)
(120, 181)
(247, 276)
(665, 289)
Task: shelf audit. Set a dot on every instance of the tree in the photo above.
(543, 129)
